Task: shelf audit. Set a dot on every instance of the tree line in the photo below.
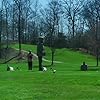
(63, 23)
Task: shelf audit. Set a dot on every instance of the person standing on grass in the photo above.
(30, 58)
(40, 52)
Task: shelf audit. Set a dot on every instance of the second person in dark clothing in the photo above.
(30, 58)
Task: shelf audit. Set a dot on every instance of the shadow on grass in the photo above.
(91, 68)
(35, 66)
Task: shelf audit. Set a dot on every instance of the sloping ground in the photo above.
(68, 83)
(12, 54)
(71, 56)
(73, 59)
(69, 59)
(7, 53)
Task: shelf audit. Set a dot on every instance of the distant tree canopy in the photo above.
(68, 23)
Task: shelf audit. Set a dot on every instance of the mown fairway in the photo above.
(68, 83)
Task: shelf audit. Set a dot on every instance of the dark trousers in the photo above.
(29, 65)
(40, 63)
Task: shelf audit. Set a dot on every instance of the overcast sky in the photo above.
(43, 2)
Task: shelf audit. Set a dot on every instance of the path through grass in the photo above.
(68, 83)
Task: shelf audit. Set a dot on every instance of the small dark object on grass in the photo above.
(53, 70)
(84, 67)
(17, 68)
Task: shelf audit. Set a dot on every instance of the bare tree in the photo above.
(91, 14)
(24, 14)
(0, 29)
(6, 9)
(51, 18)
(72, 9)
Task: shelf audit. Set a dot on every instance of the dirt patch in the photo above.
(7, 53)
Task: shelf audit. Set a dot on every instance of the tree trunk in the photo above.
(7, 26)
(97, 57)
(52, 57)
(0, 44)
(97, 48)
(53, 52)
(73, 28)
(19, 29)
(0, 30)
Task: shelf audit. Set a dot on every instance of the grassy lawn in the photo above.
(68, 83)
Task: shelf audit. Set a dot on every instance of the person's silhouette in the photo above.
(30, 57)
(83, 67)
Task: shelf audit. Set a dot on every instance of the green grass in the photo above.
(68, 83)
(26, 47)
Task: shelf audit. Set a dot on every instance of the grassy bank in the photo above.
(68, 83)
